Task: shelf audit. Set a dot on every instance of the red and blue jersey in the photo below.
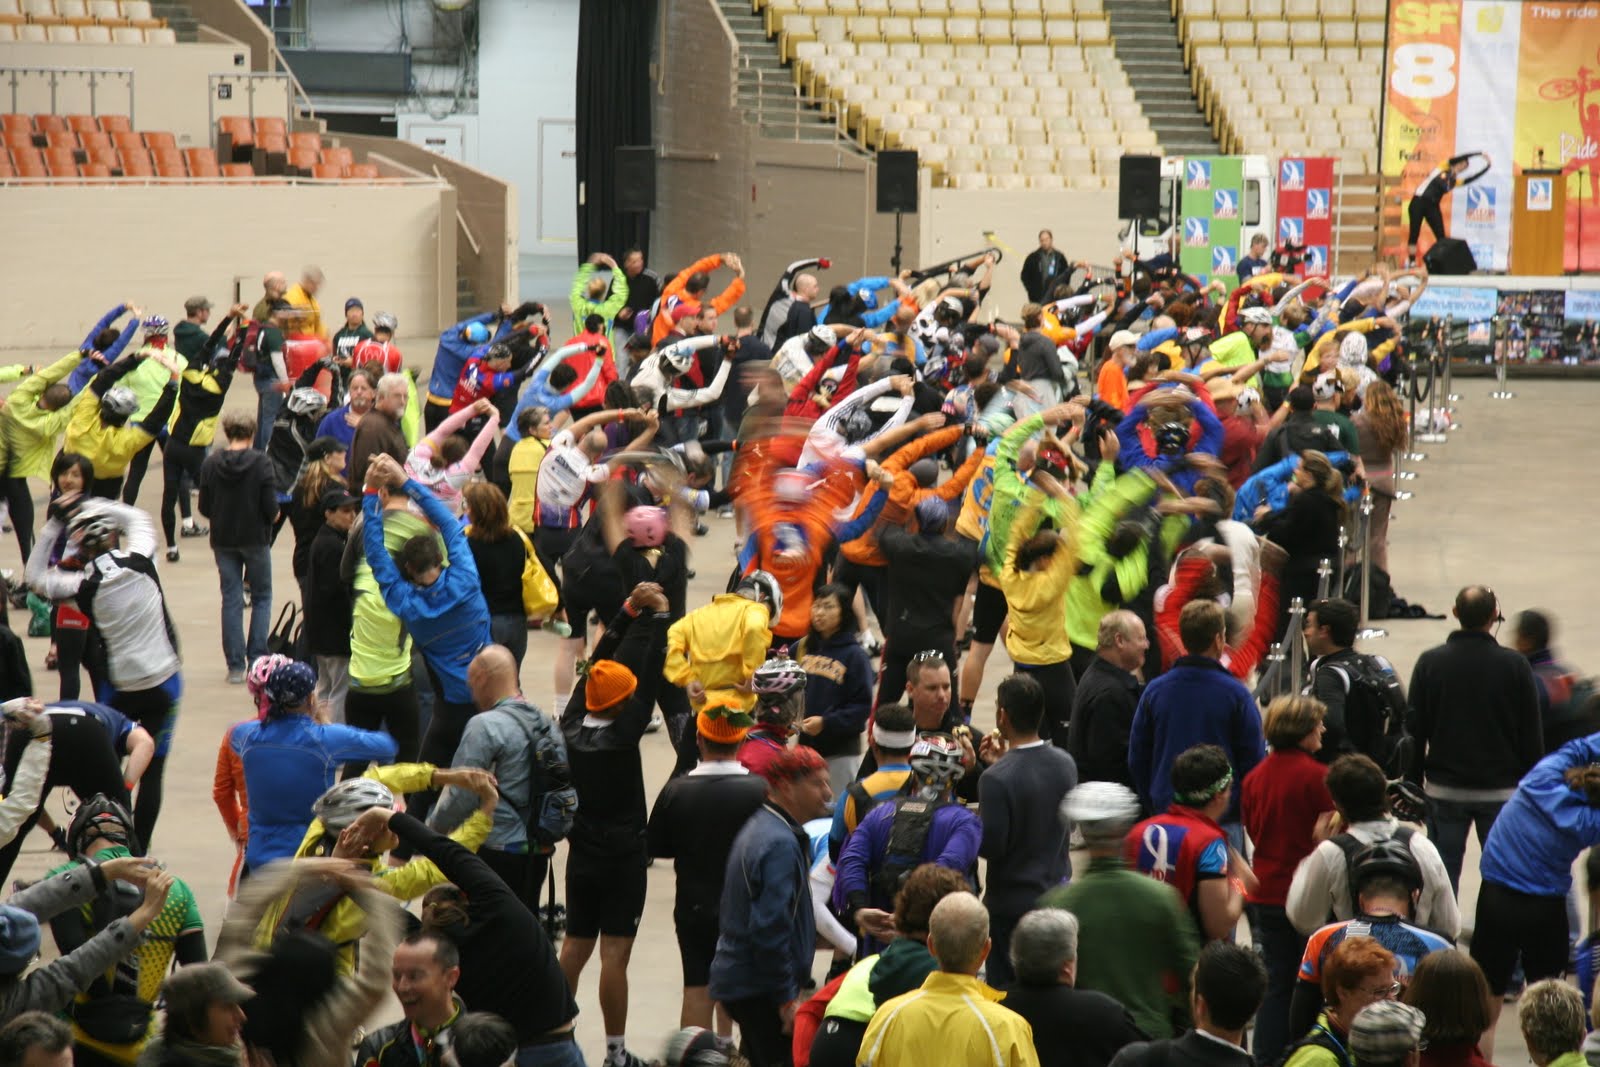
(1408, 943)
(1180, 847)
(478, 382)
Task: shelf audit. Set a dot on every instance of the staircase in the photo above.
(179, 18)
(1146, 39)
(767, 93)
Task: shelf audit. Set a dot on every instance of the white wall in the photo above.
(527, 75)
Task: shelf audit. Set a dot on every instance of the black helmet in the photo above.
(1389, 858)
(1407, 801)
(101, 817)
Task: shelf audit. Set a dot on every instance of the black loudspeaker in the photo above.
(897, 182)
(1450, 256)
(1139, 187)
(636, 178)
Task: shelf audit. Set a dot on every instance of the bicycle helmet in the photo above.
(306, 401)
(818, 340)
(384, 321)
(255, 680)
(1255, 317)
(777, 678)
(857, 425)
(119, 401)
(91, 534)
(1407, 801)
(759, 585)
(646, 526)
(936, 760)
(346, 801)
(1103, 811)
(676, 360)
(477, 333)
(101, 817)
(694, 1046)
(156, 326)
(1389, 858)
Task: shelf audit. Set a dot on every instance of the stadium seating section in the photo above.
(80, 147)
(1289, 77)
(1012, 94)
(83, 21)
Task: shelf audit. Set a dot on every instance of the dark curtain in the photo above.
(614, 105)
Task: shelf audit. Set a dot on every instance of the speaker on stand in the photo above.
(897, 191)
(636, 186)
(1450, 255)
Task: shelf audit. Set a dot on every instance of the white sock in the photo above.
(616, 1048)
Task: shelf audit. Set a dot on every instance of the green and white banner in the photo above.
(1213, 202)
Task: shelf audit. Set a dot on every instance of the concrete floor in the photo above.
(1507, 501)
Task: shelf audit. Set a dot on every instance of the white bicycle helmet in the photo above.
(777, 678)
(676, 359)
(306, 401)
(1255, 317)
(346, 801)
(765, 589)
(119, 400)
(936, 759)
(91, 534)
(384, 321)
(1102, 810)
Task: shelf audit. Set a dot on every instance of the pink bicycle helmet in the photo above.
(646, 526)
(255, 680)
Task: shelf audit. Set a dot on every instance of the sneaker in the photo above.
(236, 677)
(724, 513)
(656, 722)
(559, 627)
(172, 554)
(700, 530)
(626, 1059)
(193, 529)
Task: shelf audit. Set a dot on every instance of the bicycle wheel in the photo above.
(1559, 88)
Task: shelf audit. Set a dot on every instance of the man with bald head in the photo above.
(1474, 720)
(1106, 698)
(273, 286)
(522, 748)
(954, 1017)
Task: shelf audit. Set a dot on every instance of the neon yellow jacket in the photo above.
(720, 644)
(28, 432)
(345, 922)
(1037, 599)
(583, 307)
(953, 1018)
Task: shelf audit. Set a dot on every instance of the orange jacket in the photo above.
(661, 325)
(813, 520)
(227, 790)
(906, 494)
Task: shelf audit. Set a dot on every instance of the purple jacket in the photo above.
(953, 842)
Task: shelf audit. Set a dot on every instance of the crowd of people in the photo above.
(1137, 485)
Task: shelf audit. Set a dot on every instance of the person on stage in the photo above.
(1439, 183)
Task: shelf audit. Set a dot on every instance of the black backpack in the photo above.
(1374, 710)
(908, 836)
(1351, 846)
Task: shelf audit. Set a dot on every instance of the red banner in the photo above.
(1305, 209)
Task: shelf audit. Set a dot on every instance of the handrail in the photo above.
(254, 179)
(462, 221)
(249, 77)
(780, 95)
(53, 74)
(733, 49)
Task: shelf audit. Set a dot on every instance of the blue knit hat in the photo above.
(19, 939)
(290, 685)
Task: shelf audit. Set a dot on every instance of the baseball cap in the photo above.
(19, 939)
(196, 303)
(1124, 339)
(1384, 1032)
(338, 498)
(354, 302)
(189, 989)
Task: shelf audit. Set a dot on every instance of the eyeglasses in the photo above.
(1385, 992)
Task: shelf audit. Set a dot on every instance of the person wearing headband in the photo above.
(890, 735)
(1187, 848)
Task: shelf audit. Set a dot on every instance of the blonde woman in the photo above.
(1381, 425)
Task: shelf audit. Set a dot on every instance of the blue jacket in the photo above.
(289, 761)
(454, 351)
(1132, 453)
(767, 931)
(867, 289)
(839, 684)
(539, 394)
(83, 372)
(1271, 485)
(1544, 826)
(953, 842)
(334, 425)
(1197, 702)
(449, 619)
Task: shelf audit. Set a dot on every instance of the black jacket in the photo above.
(1102, 717)
(507, 964)
(1074, 1027)
(1042, 271)
(694, 822)
(926, 574)
(329, 600)
(239, 494)
(1192, 1050)
(1474, 714)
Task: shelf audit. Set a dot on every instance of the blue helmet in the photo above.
(155, 324)
(477, 332)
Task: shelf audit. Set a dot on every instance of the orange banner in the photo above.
(1419, 122)
(1558, 113)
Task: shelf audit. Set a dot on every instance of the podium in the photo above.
(1539, 223)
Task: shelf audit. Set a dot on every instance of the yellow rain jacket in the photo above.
(720, 644)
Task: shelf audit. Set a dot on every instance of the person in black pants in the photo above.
(205, 380)
(82, 758)
(1426, 201)
(927, 572)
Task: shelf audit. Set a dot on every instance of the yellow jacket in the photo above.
(28, 431)
(1037, 599)
(346, 922)
(307, 303)
(953, 1018)
(523, 469)
(720, 645)
(109, 448)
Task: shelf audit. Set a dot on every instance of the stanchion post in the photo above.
(1344, 547)
(1411, 452)
(1432, 435)
(1325, 575)
(1297, 644)
(1500, 392)
(1267, 687)
(1367, 631)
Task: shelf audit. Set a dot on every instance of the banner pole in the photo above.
(1367, 631)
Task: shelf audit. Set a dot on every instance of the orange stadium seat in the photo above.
(367, 171)
(115, 123)
(302, 159)
(95, 170)
(158, 139)
(61, 139)
(135, 163)
(271, 125)
(237, 170)
(201, 158)
(305, 142)
(340, 157)
(13, 122)
(169, 163)
(28, 162)
(47, 123)
(81, 123)
(89, 140)
(17, 139)
(103, 155)
(237, 129)
(126, 140)
(60, 166)
(327, 170)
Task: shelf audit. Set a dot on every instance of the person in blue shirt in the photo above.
(467, 339)
(1255, 262)
(341, 422)
(104, 339)
(438, 598)
(874, 311)
(1527, 867)
(1172, 437)
(552, 386)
